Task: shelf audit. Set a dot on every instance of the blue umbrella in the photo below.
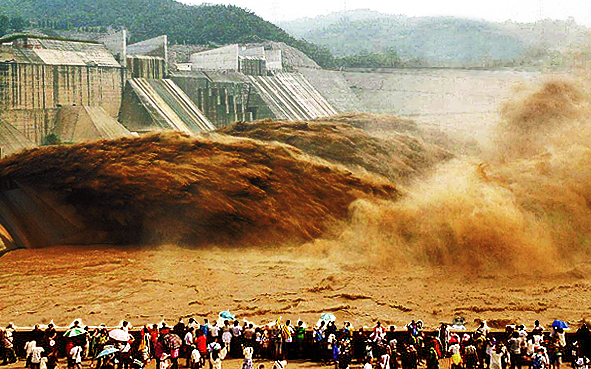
(227, 315)
(328, 317)
(559, 324)
(107, 351)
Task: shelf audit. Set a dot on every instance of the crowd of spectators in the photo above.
(196, 345)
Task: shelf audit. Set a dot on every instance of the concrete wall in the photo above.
(234, 57)
(225, 101)
(31, 93)
(116, 43)
(224, 58)
(257, 52)
(157, 46)
(274, 59)
(149, 67)
(334, 88)
(222, 102)
(252, 66)
(291, 96)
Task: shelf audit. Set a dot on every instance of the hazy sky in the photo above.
(493, 10)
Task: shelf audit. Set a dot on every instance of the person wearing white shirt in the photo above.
(36, 353)
(216, 357)
(76, 356)
(195, 358)
(214, 331)
(247, 352)
(29, 346)
(189, 344)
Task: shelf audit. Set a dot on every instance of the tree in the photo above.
(4, 24)
(52, 139)
(17, 23)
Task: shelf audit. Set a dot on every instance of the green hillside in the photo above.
(441, 41)
(430, 41)
(144, 19)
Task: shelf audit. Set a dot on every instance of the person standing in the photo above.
(514, 349)
(540, 359)
(205, 327)
(36, 354)
(189, 343)
(538, 329)
(214, 333)
(247, 353)
(9, 353)
(29, 346)
(300, 335)
(432, 356)
(385, 359)
(227, 336)
(76, 357)
(201, 345)
(287, 339)
(49, 340)
(179, 328)
(379, 333)
(249, 336)
(236, 339)
(216, 357)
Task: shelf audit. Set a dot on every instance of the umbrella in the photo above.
(227, 315)
(173, 340)
(119, 335)
(328, 317)
(559, 324)
(214, 346)
(107, 351)
(75, 331)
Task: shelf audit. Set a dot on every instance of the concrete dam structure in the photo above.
(38, 76)
(83, 123)
(290, 96)
(79, 91)
(159, 104)
(266, 76)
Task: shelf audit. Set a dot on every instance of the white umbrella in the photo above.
(119, 335)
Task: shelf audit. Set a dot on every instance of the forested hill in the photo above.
(443, 41)
(204, 24)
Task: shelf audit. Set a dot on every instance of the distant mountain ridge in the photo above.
(442, 41)
(184, 24)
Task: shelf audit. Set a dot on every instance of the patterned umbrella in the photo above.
(214, 346)
(173, 341)
(75, 331)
